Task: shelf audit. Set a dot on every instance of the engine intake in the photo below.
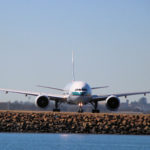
(112, 103)
(42, 101)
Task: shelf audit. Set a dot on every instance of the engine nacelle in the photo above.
(42, 101)
(112, 103)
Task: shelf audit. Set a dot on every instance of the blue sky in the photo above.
(110, 39)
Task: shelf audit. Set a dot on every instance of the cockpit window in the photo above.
(77, 89)
(84, 89)
(81, 89)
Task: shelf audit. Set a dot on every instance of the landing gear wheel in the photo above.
(95, 111)
(80, 111)
(56, 110)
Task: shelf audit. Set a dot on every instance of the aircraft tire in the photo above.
(95, 111)
(56, 110)
(80, 111)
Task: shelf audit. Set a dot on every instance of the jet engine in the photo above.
(112, 103)
(42, 101)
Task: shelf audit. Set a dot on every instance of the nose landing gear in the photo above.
(80, 108)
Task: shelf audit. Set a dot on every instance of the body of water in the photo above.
(14, 141)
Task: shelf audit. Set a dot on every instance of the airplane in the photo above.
(76, 93)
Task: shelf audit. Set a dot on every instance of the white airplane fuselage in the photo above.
(79, 92)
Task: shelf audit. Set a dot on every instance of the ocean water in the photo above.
(13, 141)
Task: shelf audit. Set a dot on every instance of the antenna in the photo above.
(73, 66)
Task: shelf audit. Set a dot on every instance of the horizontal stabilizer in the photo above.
(48, 87)
(101, 87)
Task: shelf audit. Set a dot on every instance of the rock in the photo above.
(50, 122)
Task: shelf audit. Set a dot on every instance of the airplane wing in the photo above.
(104, 97)
(26, 93)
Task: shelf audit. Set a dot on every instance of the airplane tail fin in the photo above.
(73, 74)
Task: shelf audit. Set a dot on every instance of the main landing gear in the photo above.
(56, 109)
(95, 105)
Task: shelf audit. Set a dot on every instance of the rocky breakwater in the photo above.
(49, 122)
